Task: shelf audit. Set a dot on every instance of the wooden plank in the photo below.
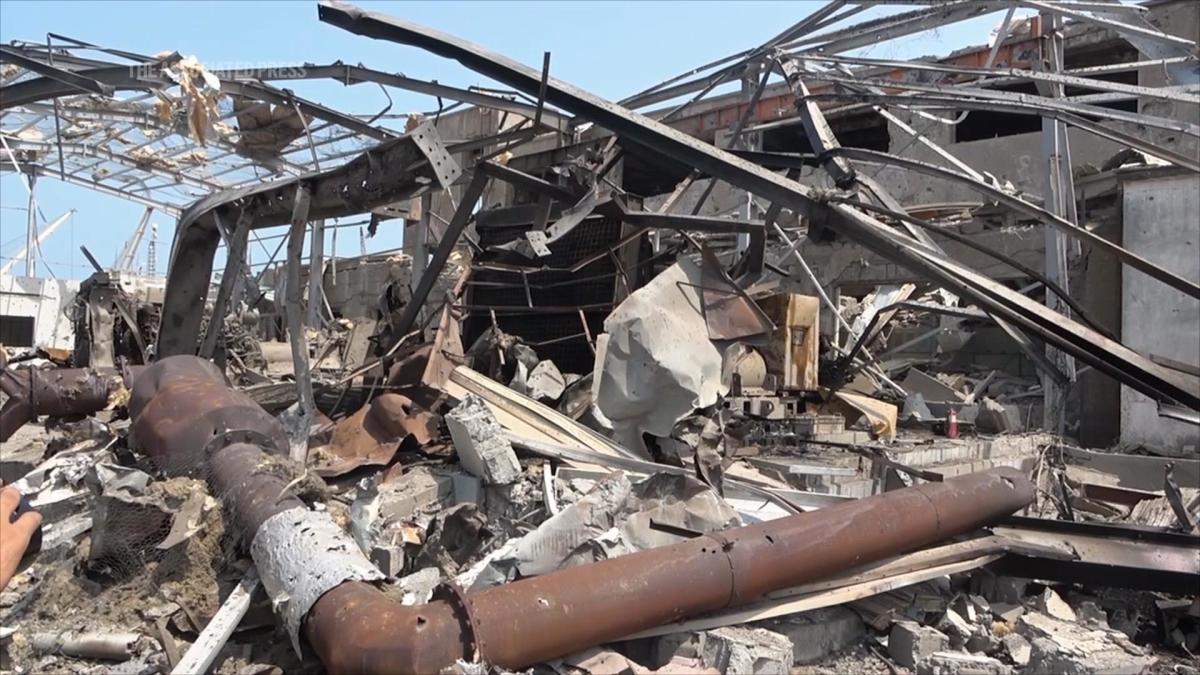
(528, 418)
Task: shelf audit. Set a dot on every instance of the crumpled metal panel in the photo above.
(655, 362)
(729, 313)
(373, 434)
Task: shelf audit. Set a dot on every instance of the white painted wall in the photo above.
(1162, 224)
(46, 300)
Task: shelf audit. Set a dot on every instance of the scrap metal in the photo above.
(1073, 338)
(33, 392)
(395, 169)
(356, 628)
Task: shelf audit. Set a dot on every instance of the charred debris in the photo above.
(866, 366)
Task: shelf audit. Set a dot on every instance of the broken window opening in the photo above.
(865, 130)
(16, 331)
(984, 124)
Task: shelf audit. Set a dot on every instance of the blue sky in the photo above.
(610, 48)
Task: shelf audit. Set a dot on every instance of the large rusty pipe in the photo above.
(58, 391)
(185, 418)
(354, 628)
(183, 413)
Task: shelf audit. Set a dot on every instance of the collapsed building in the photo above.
(866, 364)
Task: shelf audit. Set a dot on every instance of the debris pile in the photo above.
(819, 424)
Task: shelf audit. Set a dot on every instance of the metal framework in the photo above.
(108, 125)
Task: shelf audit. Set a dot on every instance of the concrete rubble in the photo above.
(480, 442)
(843, 370)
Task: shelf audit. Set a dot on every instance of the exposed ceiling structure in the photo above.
(164, 131)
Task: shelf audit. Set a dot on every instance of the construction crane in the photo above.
(125, 260)
(46, 232)
(152, 251)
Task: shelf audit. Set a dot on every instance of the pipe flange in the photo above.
(453, 594)
(229, 437)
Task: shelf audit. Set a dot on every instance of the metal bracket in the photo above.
(425, 137)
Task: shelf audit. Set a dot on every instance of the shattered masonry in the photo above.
(865, 365)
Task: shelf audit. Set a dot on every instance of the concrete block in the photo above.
(1053, 605)
(910, 642)
(1006, 612)
(956, 628)
(467, 489)
(750, 651)
(963, 606)
(1071, 649)
(1006, 590)
(388, 558)
(983, 641)
(1091, 614)
(982, 606)
(995, 417)
(1017, 648)
(957, 663)
(817, 634)
(417, 588)
(482, 447)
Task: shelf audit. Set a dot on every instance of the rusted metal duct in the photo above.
(58, 392)
(356, 629)
(183, 413)
(188, 421)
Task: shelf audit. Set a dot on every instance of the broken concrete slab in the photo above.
(1007, 612)
(909, 642)
(1069, 648)
(1017, 648)
(482, 446)
(930, 388)
(965, 608)
(417, 588)
(545, 382)
(1050, 603)
(547, 547)
(380, 508)
(818, 634)
(957, 628)
(983, 641)
(454, 538)
(756, 651)
(1002, 589)
(1091, 614)
(957, 663)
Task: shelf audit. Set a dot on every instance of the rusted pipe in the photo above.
(183, 413)
(354, 628)
(57, 391)
(185, 417)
